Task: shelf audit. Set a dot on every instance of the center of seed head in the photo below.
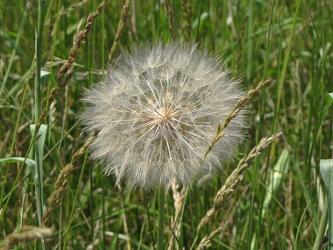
(162, 117)
(167, 117)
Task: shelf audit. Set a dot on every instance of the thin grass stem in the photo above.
(161, 211)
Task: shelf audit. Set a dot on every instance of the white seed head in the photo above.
(158, 110)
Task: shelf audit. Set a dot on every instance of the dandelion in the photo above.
(157, 112)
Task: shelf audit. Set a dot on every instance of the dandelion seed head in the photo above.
(158, 110)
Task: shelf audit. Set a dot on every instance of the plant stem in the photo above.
(330, 210)
(249, 60)
(38, 45)
(321, 230)
(161, 203)
(39, 144)
(326, 170)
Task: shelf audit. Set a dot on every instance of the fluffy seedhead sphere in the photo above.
(158, 110)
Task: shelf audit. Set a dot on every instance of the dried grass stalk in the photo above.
(24, 234)
(61, 185)
(224, 194)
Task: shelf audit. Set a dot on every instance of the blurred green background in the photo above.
(287, 41)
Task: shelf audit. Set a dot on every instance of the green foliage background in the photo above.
(287, 41)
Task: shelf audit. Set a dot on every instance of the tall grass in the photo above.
(278, 202)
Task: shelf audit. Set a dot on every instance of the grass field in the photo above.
(277, 205)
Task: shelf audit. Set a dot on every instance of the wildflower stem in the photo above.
(161, 202)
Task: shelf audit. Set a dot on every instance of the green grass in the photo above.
(280, 201)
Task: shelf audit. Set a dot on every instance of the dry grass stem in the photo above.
(238, 107)
(77, 42)
(121, 25)
(61, 185)
(235, 177)
(205, 242)
(187, 8)
(24, 234)
(170, 13)
(65, 73)
(178, 197)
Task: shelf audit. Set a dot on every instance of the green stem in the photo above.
(38, 45)
(72, 214)
(199, 20)
(249, 60)
(330, 211)
(38, 145)
(321, 230)
(285, 66)
(161, 203)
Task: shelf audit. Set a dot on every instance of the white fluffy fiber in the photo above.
(158, 109)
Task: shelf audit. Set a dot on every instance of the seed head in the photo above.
(158, 110)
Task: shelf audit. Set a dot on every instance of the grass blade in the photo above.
(37, 172)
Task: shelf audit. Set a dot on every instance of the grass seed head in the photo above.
(158, 110)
